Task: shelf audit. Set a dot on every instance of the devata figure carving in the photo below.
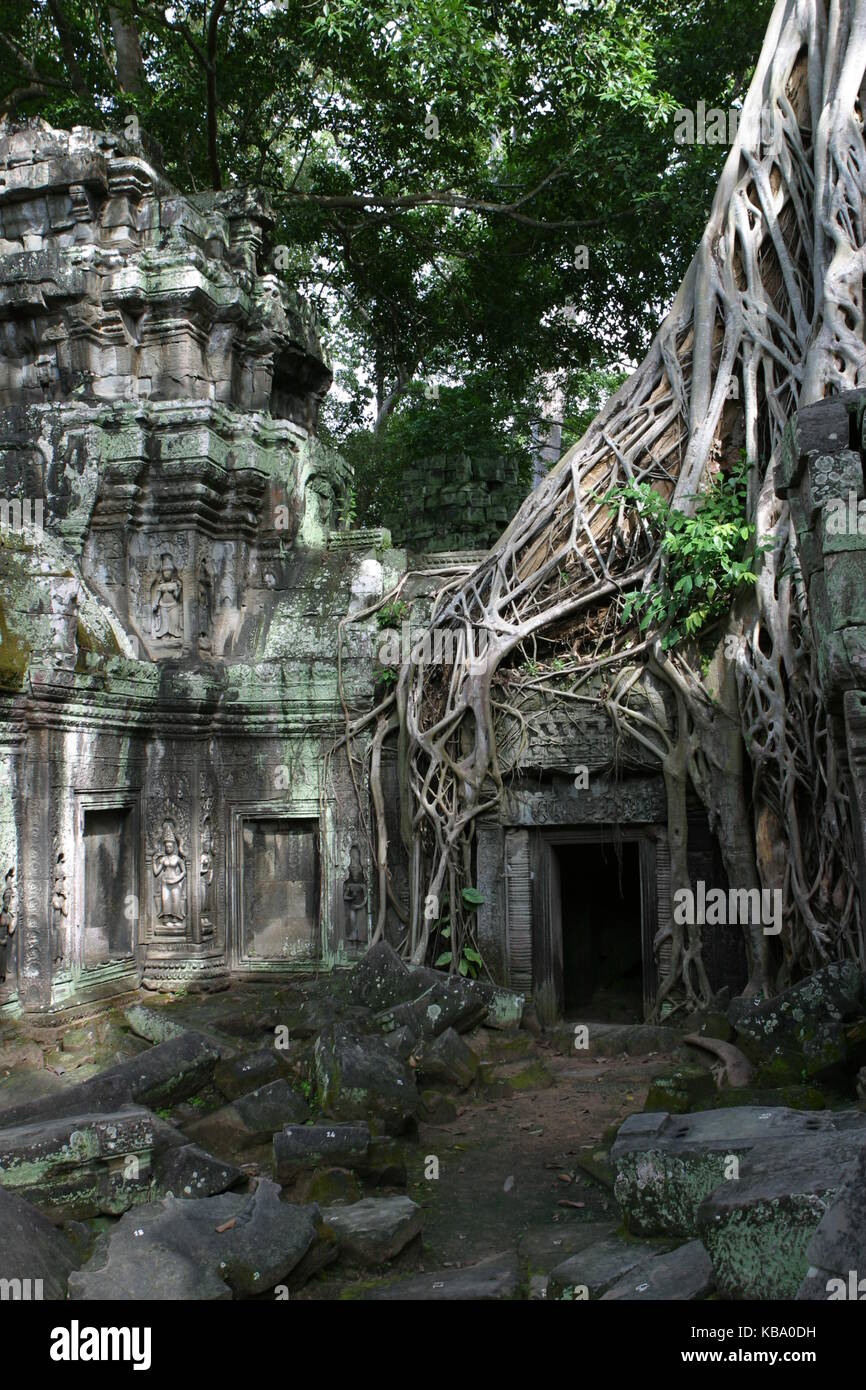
(355, 898)
(59, 911)
(166, 596)
(7, 922)
(170, 868)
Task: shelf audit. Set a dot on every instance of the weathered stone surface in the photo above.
(188, 1171)
(497, 1277)
(216, 1248)
(358, 1076)
(253, 1119)
(683, 1274)
(330, 1187)
(35, 1258)
(504, 1006)
(235, 1076)
(381, 979)
(757, 1228)
(837, 1250)
(450, 1060)
(801, 1031)
(614, 1039)
(373, 1231)
(667, 1164)
(449, 1003)
(299, 1148)
(87, 1164)
(154, 1025)
(681, 1090)
(160, 1077)
(598, 1268)
(438, 1109)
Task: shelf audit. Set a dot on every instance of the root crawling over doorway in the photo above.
(769, 317)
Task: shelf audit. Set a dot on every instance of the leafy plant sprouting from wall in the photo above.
(708, 555)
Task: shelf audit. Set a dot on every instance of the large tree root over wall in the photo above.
(769, 317)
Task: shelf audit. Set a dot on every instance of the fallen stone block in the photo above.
(154, 1025)
(802, 1030)
(497, 1277)
(757, 1228)
(157, 1078)
(299, 1149)
(667, 1164)
(86, 1165)
(504, 1006)
(681, 1090)
(217, 1248)
(381, 979)
(373, 1231)
(589, 1274)
(250, 1121)
(450, 1060)
(358, 1076)
(236, 1076)
(189, 1171)
(330, 1187)
(613, 1039)
(836, 1254)
(449, 1003)
(35, 1258)
(683, 1274)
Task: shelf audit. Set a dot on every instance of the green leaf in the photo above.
(444, 959)
(472, 897)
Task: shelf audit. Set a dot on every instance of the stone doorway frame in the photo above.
(301, 809)
(108, 801)
(547, 965)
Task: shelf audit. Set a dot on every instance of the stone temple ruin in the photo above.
(178, 646)
(172, 577)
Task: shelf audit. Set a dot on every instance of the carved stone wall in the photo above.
(169, 596)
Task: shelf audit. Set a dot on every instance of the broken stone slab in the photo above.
(613, 1039)
(330, 1187)
(35, 1258)
(450, 1060)
(217, 1248)
(253, 1119)
(836, 1254)
(85, 1165)
(160, 1077)
(154, 1025)
(189, 1171)
(449, 1003)
(542, 1248)
(497, 1277)
(504, 1006)
(300, 1148)
(681, 1090)
(235, 1076)
(757, 1228)
(358, 1076)
(373, 1231)
(381, 979)
(683, 1274)
(667, 1164)
(590, 1273)
(801, 1030)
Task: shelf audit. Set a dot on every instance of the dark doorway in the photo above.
(110, 903)
(602, 954)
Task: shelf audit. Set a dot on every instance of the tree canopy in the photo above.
(435, 166)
